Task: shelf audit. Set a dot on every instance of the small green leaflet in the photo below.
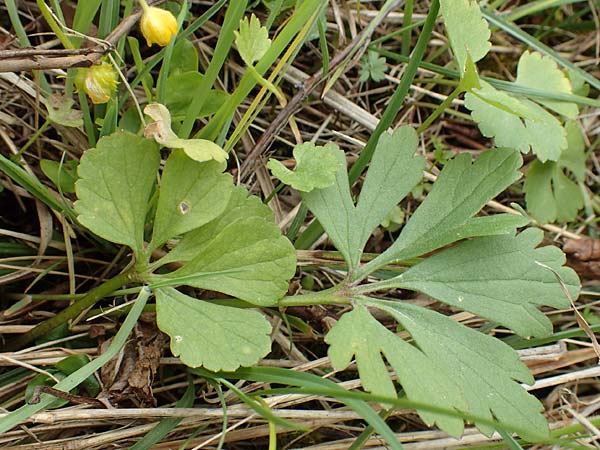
(372, 67)
(240, 253)
(252, 40)
(467, 30)
(496, 277)
(521, 123)
(550, 194)
(541, 72)
(516, 123)
(445, 216)
(315, 167)
(394, 171)
(451, 366)
(116, 180)
(214, 336)
(191, 194)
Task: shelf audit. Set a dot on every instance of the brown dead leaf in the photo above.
(127, 378)
(584, 257)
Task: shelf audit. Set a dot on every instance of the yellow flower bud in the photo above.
(99, 82)
(158, 26)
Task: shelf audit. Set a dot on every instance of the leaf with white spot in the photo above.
(215, 337)
(191, 195)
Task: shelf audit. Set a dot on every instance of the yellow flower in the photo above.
(158, 26)
(99, 82)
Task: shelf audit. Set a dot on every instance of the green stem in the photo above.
(144, 5)
(338, 295)
(440, 109)
(77, 377)
(267, 85)
(69, 313)
(31, 140)
(56, 28)
(406, 35)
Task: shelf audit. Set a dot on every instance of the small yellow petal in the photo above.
(158, 26)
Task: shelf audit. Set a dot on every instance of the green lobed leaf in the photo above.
(551, 195)
(451, 366)
(394, 171)
(497, 277)
(541, 72)
(191, 195)
(574, 157)
(115, 182)
(516, 123)
(252, 40)
(467, 30)
(315, 167)
(372, 67)
(215, 337)
(445, 216)
(241, 253)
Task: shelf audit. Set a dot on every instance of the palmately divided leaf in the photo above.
(537, 129)
(394, 171)
(550, 194)
(191, 195)
(467, 30)
(315, 167)
(541, 72)
(483, 369)
(445, 216)
(241, 253)
(252, 40)
(497, 277)
(115, 183)
(215, 337)
(451, 366)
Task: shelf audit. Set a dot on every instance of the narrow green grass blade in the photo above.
(165, 426)
(503, 85)
(263, 411)
(166, 65)
(33, 186)
(234, 14)
(79, 376)
(313, 382)
(314, 230)
(511, 442)
(84, 14)
(526, 38)
(536, 7)
(298, 20)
